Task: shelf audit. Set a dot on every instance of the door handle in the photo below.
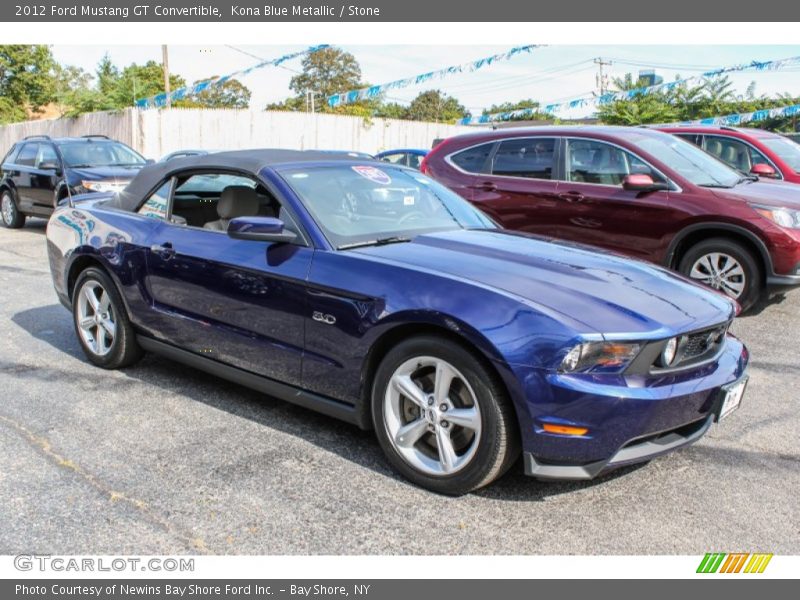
(486, 186)
(164, 250)
(571, 196)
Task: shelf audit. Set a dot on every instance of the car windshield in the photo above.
(688, 160)
(360, 205)
(99, 154)
(786, 149)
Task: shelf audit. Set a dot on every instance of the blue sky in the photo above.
(549, 74)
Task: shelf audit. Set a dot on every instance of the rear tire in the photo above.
(443, 419)
(101, 322)
(11, 217)
(727, 266)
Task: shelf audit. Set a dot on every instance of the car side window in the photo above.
(473, 160)
(589, 161)
(414, 161)
(46, 155)
(210, 200)
(395, 159)
(27, 155)
(532, 158)
(734, 152)
(691, 138)
(155, 207)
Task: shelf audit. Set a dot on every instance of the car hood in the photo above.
(767, 193)
(105, 173)
(609, 294)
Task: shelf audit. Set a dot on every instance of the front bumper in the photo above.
(628, 420)
(636, 451)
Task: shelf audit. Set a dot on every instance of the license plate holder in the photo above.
(731, 398)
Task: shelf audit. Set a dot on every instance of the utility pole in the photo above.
(602, 78)
(165, 63)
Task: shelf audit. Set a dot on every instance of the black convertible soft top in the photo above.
(250, 161)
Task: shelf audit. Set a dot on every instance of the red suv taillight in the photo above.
(423, 166)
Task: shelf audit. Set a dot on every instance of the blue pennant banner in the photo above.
(742, 118)
(770, 65)
(161, 99)
(375, 90)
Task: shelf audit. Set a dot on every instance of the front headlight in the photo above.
(600, 357)
(785, 217)
(104, 186)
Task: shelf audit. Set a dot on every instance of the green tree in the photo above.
(527, 104)
(74, 93)
(327, 72)
(107, 76)
(26, 82)
(433, 105)
(231, 94)
(141, 81)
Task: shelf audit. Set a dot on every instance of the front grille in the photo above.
(697, 344)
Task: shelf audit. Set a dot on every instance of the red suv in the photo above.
(636, 191)
(755, 151)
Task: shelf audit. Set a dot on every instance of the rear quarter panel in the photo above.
(116, 240)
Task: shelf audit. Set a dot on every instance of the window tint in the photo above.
(414, 161)
(473, 160)
(595, 162)
(734, 152)
(395, 159)
(196, 200)
(27, 156)
(46, 154)
(532, 158)
(12, 154)
(156, 205)
(690, 137)
(99, 154)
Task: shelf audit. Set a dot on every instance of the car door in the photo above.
(21, 175)
(44, 177)
(241, 302)
(520, 189)
(596, 210)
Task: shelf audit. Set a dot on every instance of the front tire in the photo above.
(101, 322)
(727, 266)
(11, 217)
(442, 418)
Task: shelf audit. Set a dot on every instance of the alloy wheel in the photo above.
(7, 209)
(432, 416)
(96, 321)
(720, 271)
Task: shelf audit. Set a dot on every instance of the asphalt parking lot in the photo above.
(162, 459)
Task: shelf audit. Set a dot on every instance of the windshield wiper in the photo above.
(747, 177)
(395, 239)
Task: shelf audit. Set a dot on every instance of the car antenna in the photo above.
(69, 195)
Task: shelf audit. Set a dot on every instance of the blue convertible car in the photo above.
(373, 294)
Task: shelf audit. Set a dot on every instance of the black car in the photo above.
(39, 171)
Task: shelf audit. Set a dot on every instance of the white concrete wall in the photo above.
(157, 132)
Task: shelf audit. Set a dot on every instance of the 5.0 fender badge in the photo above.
(323, 318)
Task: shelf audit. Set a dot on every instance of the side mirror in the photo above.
(763, 170)
(51, 166)
(150, 161)
(641, 182)
(262, 229)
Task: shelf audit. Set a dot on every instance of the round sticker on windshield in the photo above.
(373, 174)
